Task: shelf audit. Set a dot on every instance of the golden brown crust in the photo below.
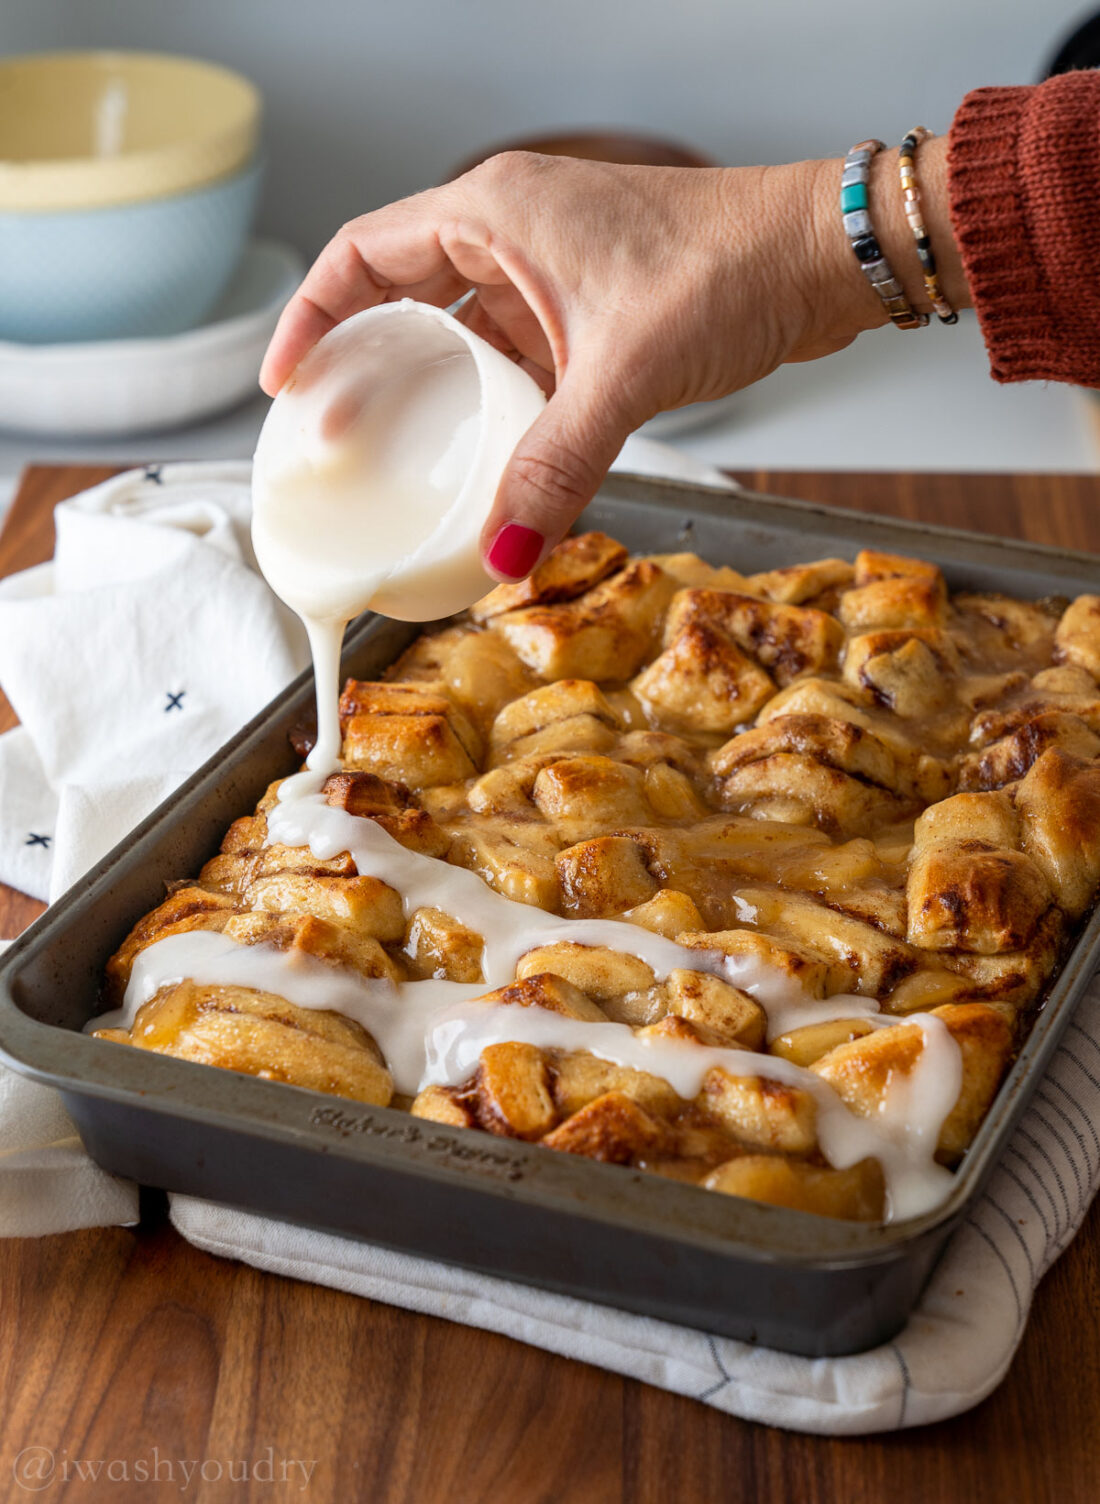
(188, 908)
(390, 805)
(901, 601)
(785, 640)
(857, 1194)
(606, 633)
(801, 584)
(1009, 758)
(872, 565)
(262, 1035)
(569, 570)
(613, 1128)
(1077, 640)
(1059, 808)
(861, 1070)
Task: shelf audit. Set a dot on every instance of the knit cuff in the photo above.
(1024, 180)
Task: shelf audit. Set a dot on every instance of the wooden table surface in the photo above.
(114, 1342)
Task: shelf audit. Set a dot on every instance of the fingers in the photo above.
(553, 475)
(301, 324)
(340, 282)
(515, 332)
(393, 253)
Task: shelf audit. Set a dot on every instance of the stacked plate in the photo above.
(100, 388)
(129, 296)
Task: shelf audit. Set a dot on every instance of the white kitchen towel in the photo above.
(969, 1321)
(28, 816)
(47, 1181)
(144, 646)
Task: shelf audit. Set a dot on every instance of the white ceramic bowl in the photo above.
(139, 385)
(389, 441)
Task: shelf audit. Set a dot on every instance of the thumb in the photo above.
(553, 474)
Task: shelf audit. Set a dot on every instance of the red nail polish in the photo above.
(515, 550)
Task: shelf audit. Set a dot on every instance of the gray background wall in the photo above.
(369, 100)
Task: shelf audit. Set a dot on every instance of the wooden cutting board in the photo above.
(116, 1341)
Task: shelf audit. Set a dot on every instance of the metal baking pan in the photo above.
(786, 1279)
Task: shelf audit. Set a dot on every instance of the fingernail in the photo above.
(515, 550)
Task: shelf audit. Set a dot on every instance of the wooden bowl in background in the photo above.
(598, 146)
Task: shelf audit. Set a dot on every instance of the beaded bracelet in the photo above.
(907, 158)
(857, 225)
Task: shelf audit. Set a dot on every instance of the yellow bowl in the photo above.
(87, 129)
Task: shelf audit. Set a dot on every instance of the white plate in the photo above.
(137, 385)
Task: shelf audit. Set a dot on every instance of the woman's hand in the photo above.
(623, 290)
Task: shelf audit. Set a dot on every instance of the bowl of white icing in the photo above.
(378, 463)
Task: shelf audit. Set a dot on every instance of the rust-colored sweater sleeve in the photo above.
(1024, 186)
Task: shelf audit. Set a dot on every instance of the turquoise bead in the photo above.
(853, 197)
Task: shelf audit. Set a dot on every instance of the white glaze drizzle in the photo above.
(510, 929)
(904, 1143)
(434, 1032)
(326, 639)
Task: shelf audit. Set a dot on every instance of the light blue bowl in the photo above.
(126, 271)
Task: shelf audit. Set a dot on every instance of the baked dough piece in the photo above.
(1010, 757)
(859, 957)
(785, 640)
(474, 668)
(621, 984)
(438, 945)
(792, 961)
(605, 876)
(801, 584)
(909, 671)
(568, 701)
(861, 1070)
(720, 1013)
(689, 569)
(580, 795)
(606, 633)
(798, 788)
(1059, 808)
(407, 734)
(900, 601)
(576, 565)
(702, 682)
(836, 743)
(970, 886)
(857, 1194)
(761, 1113)
(374, 698)
(510, 858)
(1013, 977)
(1077, 639)
(308, 935)
(873, 565)
(189, 908)
(1066, 689)
(262, 1035)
